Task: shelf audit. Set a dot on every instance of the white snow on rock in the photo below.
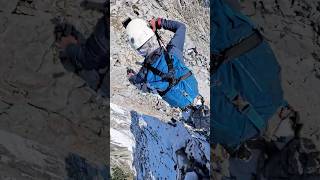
(116, 109)
(191, 176)
(121, 138)
(153, 145)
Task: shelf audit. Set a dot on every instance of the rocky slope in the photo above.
(46, 113)
(292, 29)
(149, 148)
(123, 56)
(146, 160)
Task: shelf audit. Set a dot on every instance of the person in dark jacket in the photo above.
(163, 71)
(89, 58)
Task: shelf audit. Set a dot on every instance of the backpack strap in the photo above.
(236, 50)
(245, 108)
(169, 62)
(154, 70)
(166, 76)
(162, 93)
(169, 77)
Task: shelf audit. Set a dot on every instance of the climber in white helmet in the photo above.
(163, 71)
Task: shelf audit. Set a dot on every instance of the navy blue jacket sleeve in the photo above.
(139, 80)
(180, 32)
(140, 77)
(92, 54)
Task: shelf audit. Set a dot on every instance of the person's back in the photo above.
(164, 71)
(245, 85)
(89, 58)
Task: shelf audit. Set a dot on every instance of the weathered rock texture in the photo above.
(292, 29)
(195, 14)
(145, 147)
(45, 111)
(196, 48)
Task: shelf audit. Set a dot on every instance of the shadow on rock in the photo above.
(78, 168)
(167, 151)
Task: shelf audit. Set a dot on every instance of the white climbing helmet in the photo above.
(138, 32)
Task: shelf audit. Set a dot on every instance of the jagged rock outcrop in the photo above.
(146, 147)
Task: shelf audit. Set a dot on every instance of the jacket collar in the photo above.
(152, 57)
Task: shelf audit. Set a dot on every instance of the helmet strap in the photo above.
(160, 41)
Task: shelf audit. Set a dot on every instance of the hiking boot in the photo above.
(288, 112)
(186, 116)
(197, 115)
(242, 153)
(288, 127)
(201, 117)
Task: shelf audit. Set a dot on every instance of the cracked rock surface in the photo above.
(145, 147)
(46, 112)
(124, 95)
(292, 29)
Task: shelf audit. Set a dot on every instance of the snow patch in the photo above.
(122, 138)
(117, 108)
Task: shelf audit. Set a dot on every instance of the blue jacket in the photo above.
(175, 46)
(150, 82)
(254, 76)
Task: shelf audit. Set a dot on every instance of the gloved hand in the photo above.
(131, 75)
(155, 24)
(67, 40)
(65, 34)
(130, 72)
